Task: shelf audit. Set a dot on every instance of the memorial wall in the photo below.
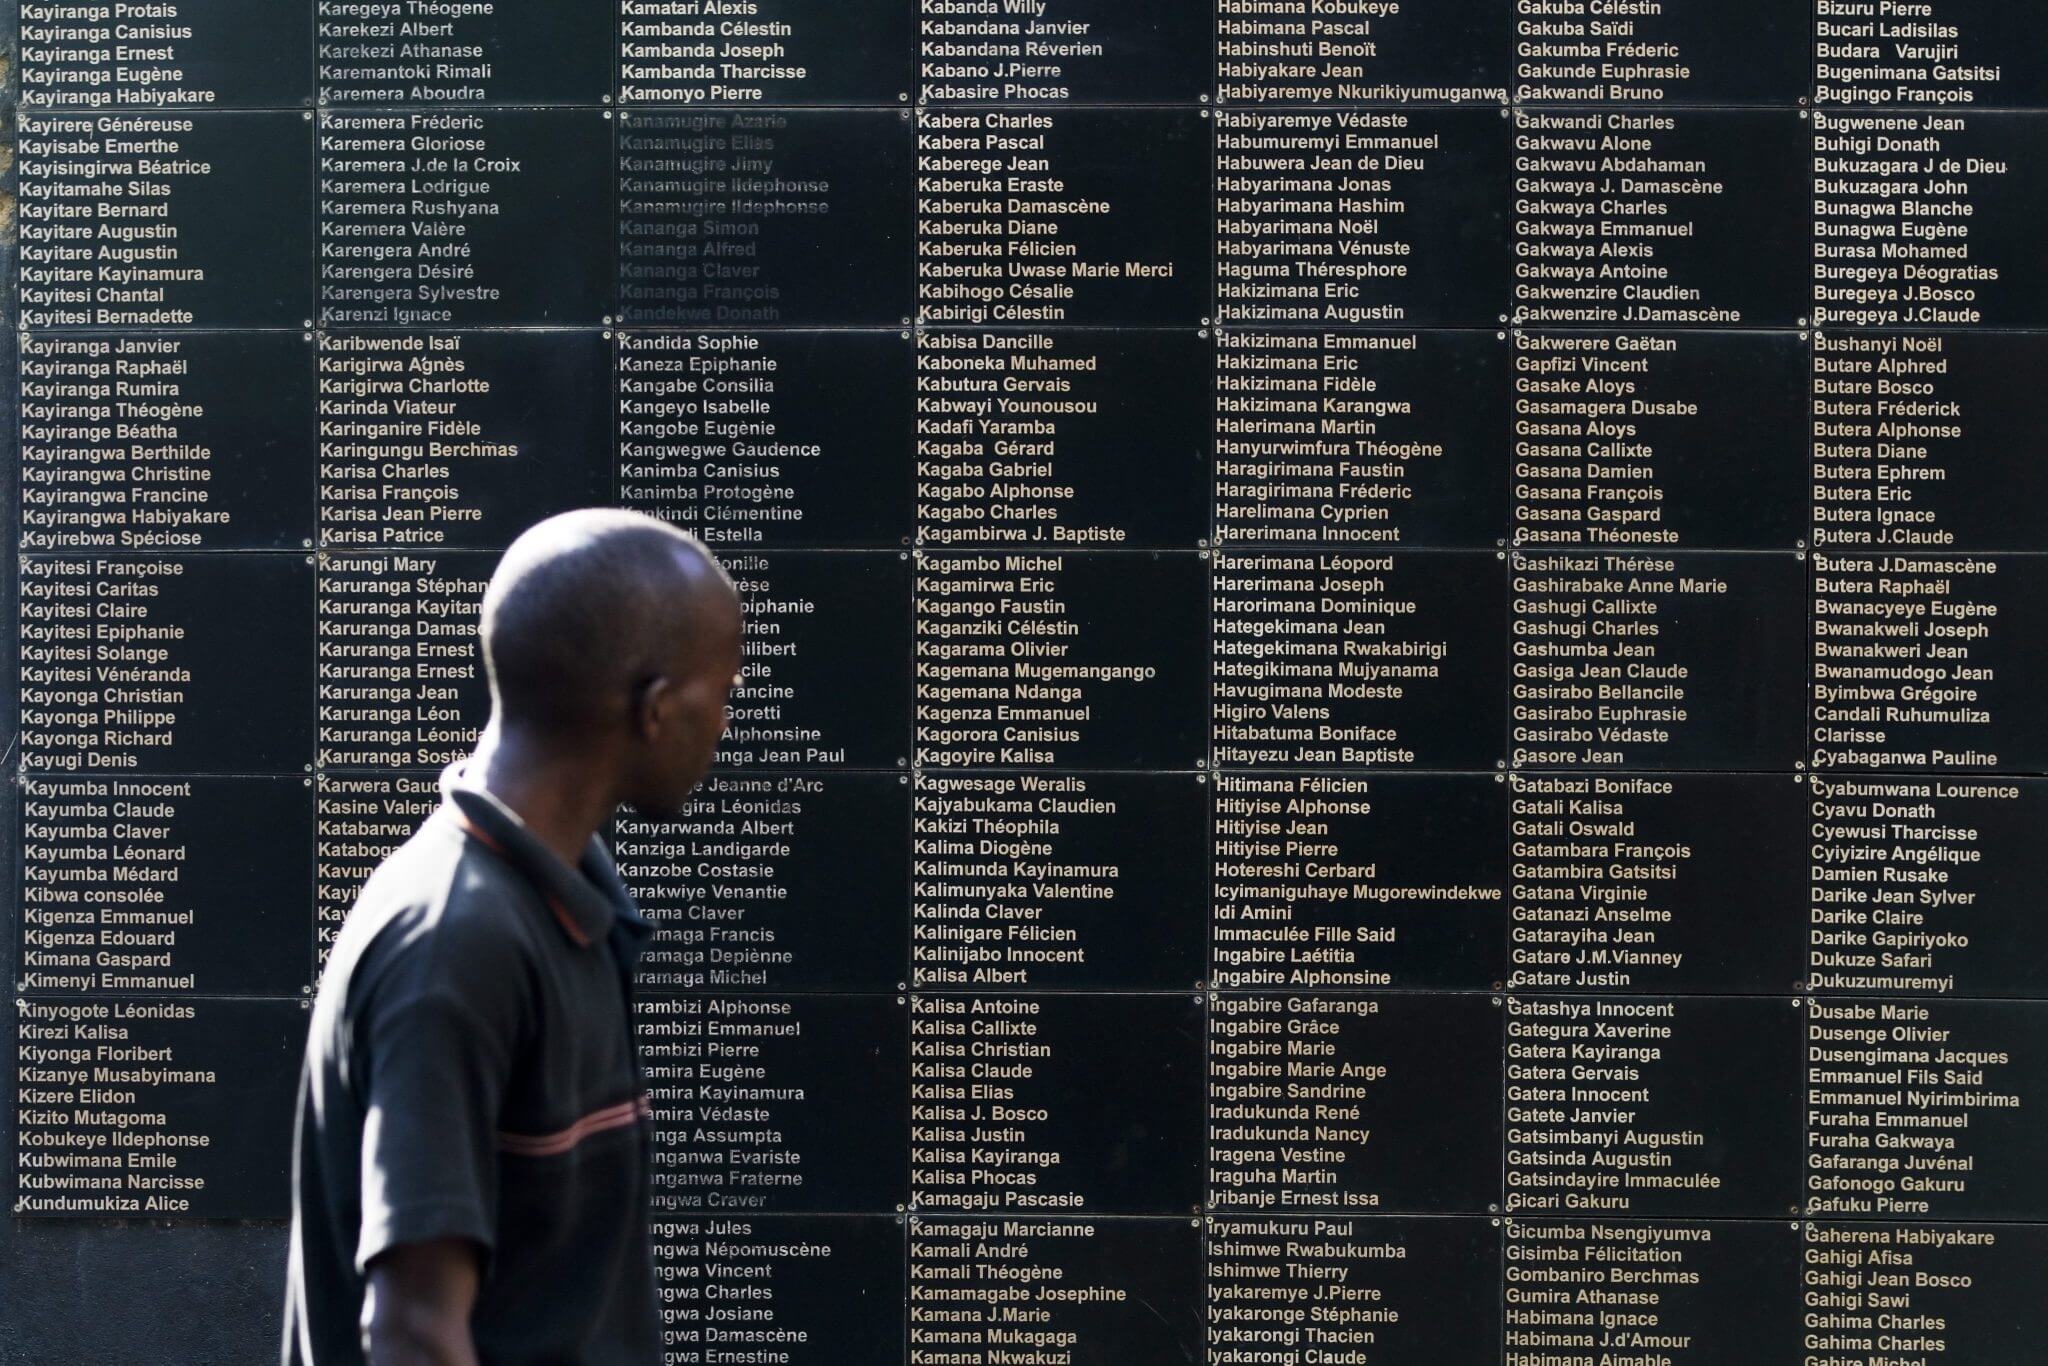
(1393, 691)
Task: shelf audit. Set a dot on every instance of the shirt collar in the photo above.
(589, 901)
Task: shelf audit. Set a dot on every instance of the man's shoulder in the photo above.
(438, 917)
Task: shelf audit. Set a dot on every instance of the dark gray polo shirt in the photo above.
(471, 1073)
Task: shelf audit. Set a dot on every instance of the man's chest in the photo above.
(578, 1065)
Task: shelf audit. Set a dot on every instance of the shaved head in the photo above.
(589, 607)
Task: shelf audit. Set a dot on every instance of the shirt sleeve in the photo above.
(437, 1074)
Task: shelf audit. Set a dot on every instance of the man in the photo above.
(470, 1170)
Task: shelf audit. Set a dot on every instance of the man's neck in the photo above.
(552, 790)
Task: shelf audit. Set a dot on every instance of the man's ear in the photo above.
(654, 707)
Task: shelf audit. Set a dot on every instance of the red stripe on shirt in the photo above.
(562, 1140)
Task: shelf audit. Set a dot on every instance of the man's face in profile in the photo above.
(689, 737)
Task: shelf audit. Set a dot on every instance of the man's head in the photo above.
(614, 636)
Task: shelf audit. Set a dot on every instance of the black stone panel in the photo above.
(777, 882)
(196, 442)
(767, 1104)
(235, 53)
(1055, 1104)
(157, 220)
(158, 885)
(430, 218)
(155, 1108)
(1354, 1104)
(751, 439)
(732, 218)
(144, 674)
(812, 1290)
